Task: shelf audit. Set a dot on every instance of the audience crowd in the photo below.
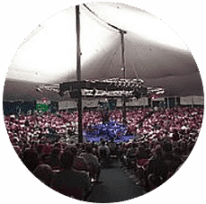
(163, 140)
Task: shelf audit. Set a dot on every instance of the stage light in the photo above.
(74, 93)
(93, 92)
(39, 90)
(61, 93)
(136, 94)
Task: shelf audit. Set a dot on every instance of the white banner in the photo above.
(141, 102)
(188, 100)
(192, 100)
(67, 104)
(90, 103)
(73, 104)
(198, 100)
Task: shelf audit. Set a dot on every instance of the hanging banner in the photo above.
(186, 100)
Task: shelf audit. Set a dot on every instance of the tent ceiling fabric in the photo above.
(153, 52)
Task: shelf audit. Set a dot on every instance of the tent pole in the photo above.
(123, 51)
(79, 102)
(124, 75)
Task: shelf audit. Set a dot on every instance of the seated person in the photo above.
(44, 173)
(71, 182)
(143, 153)
(157, 170)
(79, 162)
(173, 161)
(54, 158)
(30, 159)
(131, 154)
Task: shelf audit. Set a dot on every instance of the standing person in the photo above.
(44, 173)
(106, 114)
(103, 147)
(93, 163)
(104, 152)
(113, 147)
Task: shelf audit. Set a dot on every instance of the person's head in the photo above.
(14, 140)
(77, 145)
(58, 145)
(134, 145)
(177, 151)
(30, 159)
(73, 149)
(45, 159)
(89, 149)
(103, 142)
(158, 152)
(167, 147)
(66, 159)
(39, 148)
(55, 151)
(183, 146)
(44, 173)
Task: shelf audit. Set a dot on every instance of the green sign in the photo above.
(42, 107)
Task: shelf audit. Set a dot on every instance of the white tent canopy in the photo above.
(153, 52)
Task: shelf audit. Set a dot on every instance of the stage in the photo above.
(119, 139)
(107, 131)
